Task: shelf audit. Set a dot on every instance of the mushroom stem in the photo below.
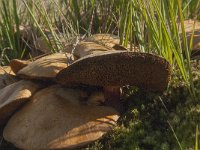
(112, 97)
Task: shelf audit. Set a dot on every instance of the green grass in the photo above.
(197, 138)
(9, 31)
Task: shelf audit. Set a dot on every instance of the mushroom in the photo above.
(7, 76)
(118, 68)
(17, 64)
(45, 68)
(13, 96)
(112, 70)
(188, 24)
(55, 118)
(109, 41)
(96, 98)
(6, 69)
(87, 48)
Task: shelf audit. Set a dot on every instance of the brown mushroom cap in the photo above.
(147, 71)
(13, 96)
(6, 69)
(88, 48)
(17, 64)
(44, 68)
(7, 76)
(109, 40)
(56, 119)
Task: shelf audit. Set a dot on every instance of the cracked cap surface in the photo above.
(147, 71)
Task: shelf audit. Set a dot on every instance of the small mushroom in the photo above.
(109, 41)
(88, 48)
(26, 32)
(56, 119)
(84, 48)
(6, 69)
(17, 64)
(7, 76)
(13, 96)
(96, 98)
(45, 68)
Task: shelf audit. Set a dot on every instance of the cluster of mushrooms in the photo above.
(66, 101)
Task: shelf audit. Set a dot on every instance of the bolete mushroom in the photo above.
(114, 69)
(13, 96)
(118, 68)
(56, 118)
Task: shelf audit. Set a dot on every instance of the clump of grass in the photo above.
(9, 31)
(197, 138)
(161, 22)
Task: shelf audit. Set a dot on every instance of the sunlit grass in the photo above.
(162, 19)
(197, 138)
(9, 30)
